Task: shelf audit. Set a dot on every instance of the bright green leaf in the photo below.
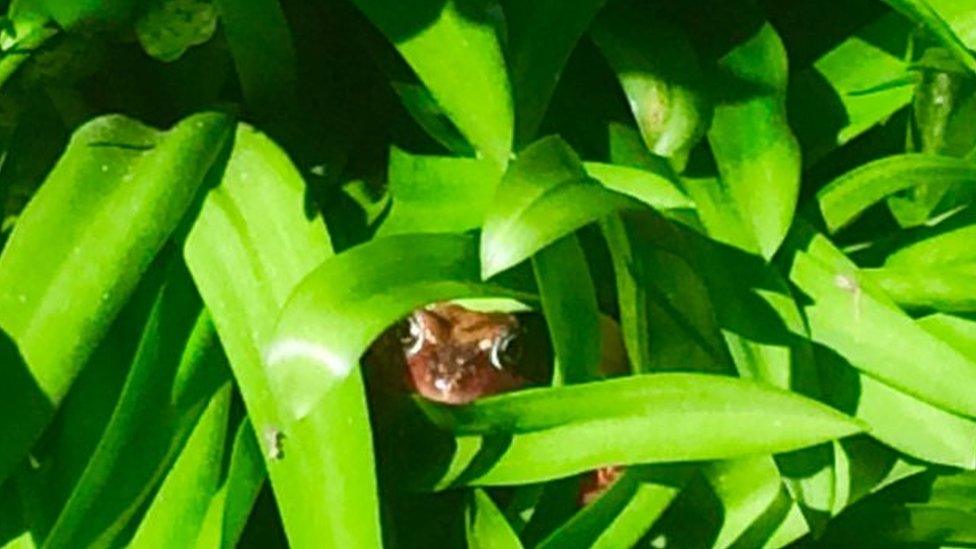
(848, 196)
(757, 156)
(177, 511)
(487, 527)
(660, 74)
(544, 195)
(89, 234)
(454, 49)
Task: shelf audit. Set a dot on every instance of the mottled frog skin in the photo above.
(455, 355)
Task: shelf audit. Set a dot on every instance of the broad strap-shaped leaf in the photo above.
(570, 307)
(345, 304)
(177, 511)
(250, 245)
(91, 231)
(487, 527)
(544, 195)
(261, 45)
(540, 434)
(757, 156)
(660, 75)
(952, 247)
(454, 48)
(881, 340)
(540, 37)
(435, 194)
(848, 196)
(177, 369)
(653, 189)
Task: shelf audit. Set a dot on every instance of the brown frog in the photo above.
(455, 355)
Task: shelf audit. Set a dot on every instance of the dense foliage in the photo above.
(211, 210)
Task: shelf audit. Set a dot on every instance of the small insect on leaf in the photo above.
(274, 440)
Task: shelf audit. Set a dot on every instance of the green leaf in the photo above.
(757, 156)
(827, 108)
(541, 434)
(880, 339)
(632, 294)
(426, 192)
(250, 245)
(76, 14)
(570, 307)
(921, 13)
(660, 74)
(177, 511)
(453, 47)
(169, 27)
(653, 189)
(27, 34)
(87, 237)
(544, 195)
(897, 418)
(326, 326)
(953, 247)
(625, 512)
(540, 37)
(946, 288)
(176, 370)
(487, 527)
(365, 290)
(261, 44)
(848, 196)
(747, 489)
(231, 505)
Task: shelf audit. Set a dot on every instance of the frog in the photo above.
(455, 355)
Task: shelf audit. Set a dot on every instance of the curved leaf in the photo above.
(544, 195)
(541, 434)
(91, 231)
(364, 290)
(650, 188)
(757, 155)
(487, 527)
(453, 47)
(250, 245)
(427, 192)
(848, 196)
(660, 74)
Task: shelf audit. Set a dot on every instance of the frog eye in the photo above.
(504, 350)
(413, 340)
